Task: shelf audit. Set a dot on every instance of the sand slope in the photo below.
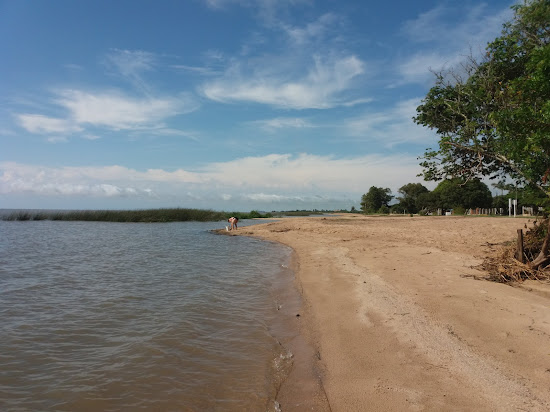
(392, 323)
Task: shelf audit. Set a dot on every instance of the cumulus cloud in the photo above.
(19, 178)
(263, 178)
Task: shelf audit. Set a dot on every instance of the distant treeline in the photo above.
(136, 216)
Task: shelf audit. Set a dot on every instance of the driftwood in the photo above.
(543, 259)
(527, 259)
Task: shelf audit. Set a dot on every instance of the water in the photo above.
(113, 317)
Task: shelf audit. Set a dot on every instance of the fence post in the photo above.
(519, 252)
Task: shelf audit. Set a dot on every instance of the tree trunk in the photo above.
(542, 258)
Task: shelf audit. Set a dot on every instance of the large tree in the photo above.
(375, 198)
(493, 116)
(455, 193)
(409, 196)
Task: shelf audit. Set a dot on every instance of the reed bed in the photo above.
(133, 216)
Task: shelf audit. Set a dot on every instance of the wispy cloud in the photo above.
(392, 126)
(266, 9)
(448, 44)
(130, 64)
(202, 71)
(477, 26)
(314, 31)
(117, 111)
(323, 87)
(166, 131)
(110, 109)
(36, 123)
(277, 123)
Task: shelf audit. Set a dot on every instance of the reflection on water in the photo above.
(107, 316)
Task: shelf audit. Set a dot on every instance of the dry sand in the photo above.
(391, 319)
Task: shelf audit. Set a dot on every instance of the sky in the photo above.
(222, 104)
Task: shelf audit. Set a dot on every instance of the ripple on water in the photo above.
(106, 316)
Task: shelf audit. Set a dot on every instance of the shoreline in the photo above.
(390, 319)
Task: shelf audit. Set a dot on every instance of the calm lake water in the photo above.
(127, 316)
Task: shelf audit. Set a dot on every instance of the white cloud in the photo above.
(271, 125)
(448, 44)
(111, 110)
(267, 9)
(392, 126)
(264, 178)
(36, 123)
(130, 64)
(419, 68)
(165, 131)
(312, 174)
(57, 139)
(326, 80)
(116, 111)
(203, 71)
(89, 136)
(312, 31)
(18, 178)
(477, 26)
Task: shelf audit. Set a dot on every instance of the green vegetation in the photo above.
(410, 194)
(455, 194)
(493, 116)
(376, 200)
(135, 216)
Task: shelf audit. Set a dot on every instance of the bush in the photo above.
(459, 211)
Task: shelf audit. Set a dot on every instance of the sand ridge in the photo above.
(394, 320)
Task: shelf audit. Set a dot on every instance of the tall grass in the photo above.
(136, 216)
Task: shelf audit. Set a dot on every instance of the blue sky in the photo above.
(221, 104)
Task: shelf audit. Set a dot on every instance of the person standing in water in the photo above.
(233, 222)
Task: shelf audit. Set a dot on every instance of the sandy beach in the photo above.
(392, 318)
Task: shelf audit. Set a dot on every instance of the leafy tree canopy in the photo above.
(493, 116)
(455, 193)
(375, 198)
(409, 196)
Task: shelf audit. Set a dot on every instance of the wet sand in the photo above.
(391, 318)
